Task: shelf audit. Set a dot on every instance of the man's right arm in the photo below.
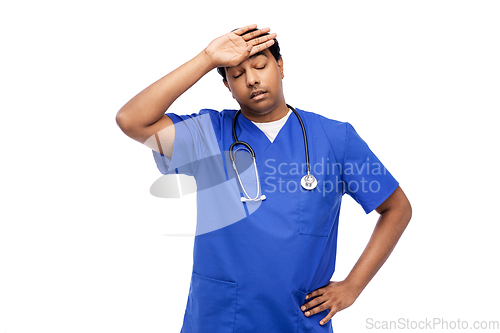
(143, 117)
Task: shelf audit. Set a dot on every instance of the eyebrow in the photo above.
(258, 54)
(253, 56)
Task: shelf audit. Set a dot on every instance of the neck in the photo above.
(275, 114)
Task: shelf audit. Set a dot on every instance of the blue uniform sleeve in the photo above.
(365, 178)
(192, 135)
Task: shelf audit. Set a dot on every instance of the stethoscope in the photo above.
(308, 182)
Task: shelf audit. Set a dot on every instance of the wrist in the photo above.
(354, 285)
(206, 57)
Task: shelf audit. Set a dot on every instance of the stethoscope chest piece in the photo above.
(309, 182)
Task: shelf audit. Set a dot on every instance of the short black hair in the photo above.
(274, 49)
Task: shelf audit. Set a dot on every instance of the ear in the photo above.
(280, 66)
(226, 84)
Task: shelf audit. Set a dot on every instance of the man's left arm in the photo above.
(395, 213)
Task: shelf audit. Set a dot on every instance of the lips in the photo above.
(257, 94)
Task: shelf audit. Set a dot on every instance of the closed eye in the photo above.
(237, 76)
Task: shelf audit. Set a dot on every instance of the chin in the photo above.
(262, 107)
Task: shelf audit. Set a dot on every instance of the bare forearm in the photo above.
(386, 234)
(150, 104)
(395, 214)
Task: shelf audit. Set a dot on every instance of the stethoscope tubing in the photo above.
(236, 141)
(308, 181)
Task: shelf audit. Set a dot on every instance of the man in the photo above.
(264, 263)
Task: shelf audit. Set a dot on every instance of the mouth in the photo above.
(258, 94)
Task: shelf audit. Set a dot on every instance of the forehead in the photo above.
(262, 54)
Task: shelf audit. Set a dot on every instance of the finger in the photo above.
(321, 307)
(317, 292)
(240, 31)
(255, 33)
(328, 317)
(261, 47)
(261, 39)
(309, 305)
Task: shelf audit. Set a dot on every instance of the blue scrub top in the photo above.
(254, 262)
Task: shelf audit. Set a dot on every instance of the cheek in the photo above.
(276, 80)
(237, 92)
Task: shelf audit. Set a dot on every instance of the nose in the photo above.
(252, 78)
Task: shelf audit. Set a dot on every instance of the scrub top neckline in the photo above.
(262, 134)
(249, 132)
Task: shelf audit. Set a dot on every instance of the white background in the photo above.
(83, 245)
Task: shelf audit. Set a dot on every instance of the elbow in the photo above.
(403, 207)
(400, 213)
(407, 211)
(404, 210)
(122, 121)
